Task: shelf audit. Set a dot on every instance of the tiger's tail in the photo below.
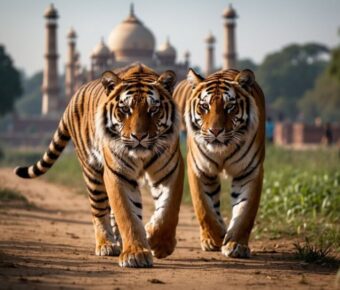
(57, 145)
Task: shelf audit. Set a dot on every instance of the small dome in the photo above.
(51, 12)
(101, 50)
(210, 39)
(230, 12)
(71, 34)
(166, 49)
(132, 39)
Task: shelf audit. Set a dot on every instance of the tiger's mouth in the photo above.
(139, 151)
(215, 142)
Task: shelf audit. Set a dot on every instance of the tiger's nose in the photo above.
(139, 136)
(215, 131)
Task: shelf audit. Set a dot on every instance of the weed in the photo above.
(320, 253)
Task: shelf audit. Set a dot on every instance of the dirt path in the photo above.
(51, 246)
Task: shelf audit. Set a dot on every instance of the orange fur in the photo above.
(125, 127)
(225, 117)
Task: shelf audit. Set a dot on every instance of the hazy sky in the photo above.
(263, 26)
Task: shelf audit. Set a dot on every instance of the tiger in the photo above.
(225, 119)
(124, 127)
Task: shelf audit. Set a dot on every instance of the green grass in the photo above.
(7, 194)
(300, 196)
(320, 253)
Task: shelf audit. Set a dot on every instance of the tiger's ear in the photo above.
(167, 80)
(109, 81)
(194, 78)
(245, 78)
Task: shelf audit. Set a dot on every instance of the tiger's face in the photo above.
(220, 109)
(139, 115)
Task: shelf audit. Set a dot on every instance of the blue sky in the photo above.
(263, 26)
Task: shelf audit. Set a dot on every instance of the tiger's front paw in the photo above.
(162, 243)
(209, 245)
(108, 248)
(136, 258)
(235, 250)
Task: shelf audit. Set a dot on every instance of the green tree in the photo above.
(30, 103)
(286, 75)
(324, 99)
(246, 63)
(10, 81)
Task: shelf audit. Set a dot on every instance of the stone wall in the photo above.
(300, 134)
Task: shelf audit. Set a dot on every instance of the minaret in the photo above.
(229, 56)
(210, 64)
(50, 87)
(71, 65)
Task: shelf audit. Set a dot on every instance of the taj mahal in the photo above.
(129, 42)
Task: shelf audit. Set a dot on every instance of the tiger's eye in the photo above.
(153, 109)
(204, 106)
(125, 109)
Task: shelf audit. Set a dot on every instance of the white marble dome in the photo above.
(101, 50)
(131, 39)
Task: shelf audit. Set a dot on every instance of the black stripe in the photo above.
(238, 178)
(158, 196)
(248, 112)
(98, 200)
(95, 191)
(153, 159)
(122, 177)
(139, 216)
(98, 208)
(216, 191)
(244, 184)
(247, 150)
(92, 179)
(167, 175)
(99, 215)
(36, 170)
(206, 156)
(169, 160)
(137, 204)
(217, 204)
(77, 123)
(51, 155)
(45, 164)
(238, 147)
(235, 194)
(242, 200)
(201, 172)
(57, 147)
(122, 160)
(158, 208)
(210, 183)
(247, 173)
(62, 136)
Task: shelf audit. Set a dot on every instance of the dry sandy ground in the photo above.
(51, 246)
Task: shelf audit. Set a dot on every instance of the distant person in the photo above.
(270, 130)
(328, 134)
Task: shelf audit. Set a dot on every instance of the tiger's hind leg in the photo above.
(205, 194)
(108, 242)
(246, 192)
